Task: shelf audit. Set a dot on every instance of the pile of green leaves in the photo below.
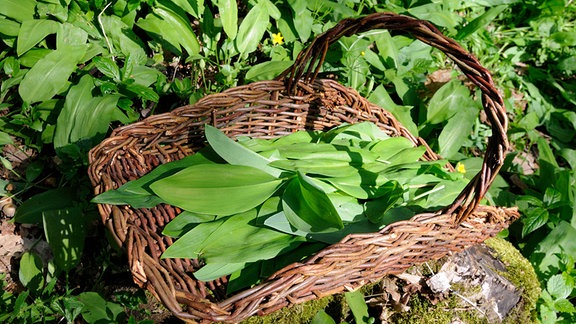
(255, 199)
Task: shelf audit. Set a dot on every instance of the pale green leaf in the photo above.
(8, 27)
(267, 70)
(308, 208)
(231, 240)
(457, 131)
(179, 24)
(252, 29)
(33, 31)
(322, 317)
(235, 153)
(558, 287)
(451, 98)
(480, 22)
(30, 272)
(84, 117)
(50, 74)
(218, 189)
(214, 271)
(357, 304)
(69, 34)
(381, 98)
(229, 16)
(19, 10)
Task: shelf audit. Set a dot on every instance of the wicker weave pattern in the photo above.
(270, 109)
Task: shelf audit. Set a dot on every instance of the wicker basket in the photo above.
(270, 109)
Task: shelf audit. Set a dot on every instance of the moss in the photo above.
(300, 313)
(521, 273)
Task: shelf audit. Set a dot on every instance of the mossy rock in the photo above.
(448, 309)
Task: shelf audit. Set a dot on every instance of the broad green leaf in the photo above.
(325, 151)
(387, 49)
(137, 193)
(451, 98)
(5, 139)
(97, 310)
(303, 22)
(317, 166)
(388, 148)
(358, 306)
(69, 34)
(308, 208)
(179, 24)
(348, 134)
(214, 271)
(193, 7)
(546, 255)
(229, 16)
(267, 70)
(362, 184)
(33, 31)
(564, 305)
(444, 193)
(218, 189)
(65, 232)
(391, 194)
(30, 272)
(184, 222)
(381, 98)
(160, 30)
(19, 10)
(50, 74)
(143, 92)
(124, 40)
(84, 117)
(235, 153)
(480, 22)
(558, 287)
(107, 67)
(30, 212)
(273, 11)
(231, 240)
(252, 29)
(8, 27)
(456, 131)
(322, 317)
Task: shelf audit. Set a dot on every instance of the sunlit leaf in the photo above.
(65, 232)
(252, 29)
(308, 208)
(33, 31)
(228, 10)
(235, 153)
(50, 74)
(31, 271)
(219, 189)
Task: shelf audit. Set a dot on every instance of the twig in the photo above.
(104, 30)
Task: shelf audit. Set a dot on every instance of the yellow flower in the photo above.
(362, 53)
(460, 168)
(277, 39)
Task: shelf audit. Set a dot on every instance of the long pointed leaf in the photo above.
(235, 153)
(50, 74)
(218, 189)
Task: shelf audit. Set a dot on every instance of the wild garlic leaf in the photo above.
(308, 208)
(235, 153)
(137, 193)
(232, 240)
(218, 189)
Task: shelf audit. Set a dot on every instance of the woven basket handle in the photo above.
(310, 60)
